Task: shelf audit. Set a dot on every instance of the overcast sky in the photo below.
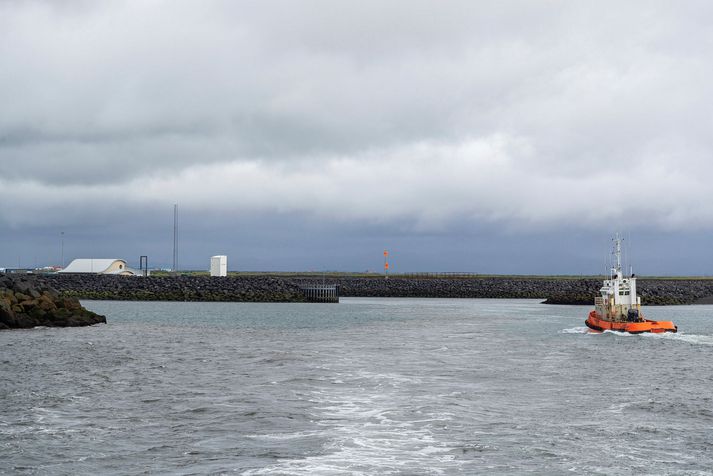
(500, 137)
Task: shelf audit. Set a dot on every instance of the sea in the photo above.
(363, 387)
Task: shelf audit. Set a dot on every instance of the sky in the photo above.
(492, 137)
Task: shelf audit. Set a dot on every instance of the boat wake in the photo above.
(695, 339)
(368, 431)
(576, 330)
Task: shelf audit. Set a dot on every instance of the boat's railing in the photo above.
(599, 301)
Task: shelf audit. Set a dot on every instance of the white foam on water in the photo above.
(285, 436)
(368, 431)
(619, 333)
(389, 378)
(619, 407)
(695, 339)
(576, 330)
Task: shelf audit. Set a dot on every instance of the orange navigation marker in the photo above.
(386, 264)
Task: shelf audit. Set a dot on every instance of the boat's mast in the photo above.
(617, 253)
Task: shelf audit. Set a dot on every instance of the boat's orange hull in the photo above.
(593, 322)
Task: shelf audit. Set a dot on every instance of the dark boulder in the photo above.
(27, 302)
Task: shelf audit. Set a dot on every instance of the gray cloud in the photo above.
(426, 114)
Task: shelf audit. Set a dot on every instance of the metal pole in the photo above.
(144, 265)
(175, 237)
(61, 248)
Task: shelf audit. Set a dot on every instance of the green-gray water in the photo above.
(368, 386)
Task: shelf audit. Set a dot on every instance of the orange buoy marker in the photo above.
(618, 308)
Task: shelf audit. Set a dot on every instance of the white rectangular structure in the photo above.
(219, 265)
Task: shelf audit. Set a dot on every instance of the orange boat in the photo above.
(619, 308)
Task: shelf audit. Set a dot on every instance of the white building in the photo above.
(99, 266)
(219, 265)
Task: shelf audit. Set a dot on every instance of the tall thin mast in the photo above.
(175, 237)
(617, 253)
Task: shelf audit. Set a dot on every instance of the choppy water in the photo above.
(368, 386)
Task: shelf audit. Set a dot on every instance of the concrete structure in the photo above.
(219, 265)
(99, 266)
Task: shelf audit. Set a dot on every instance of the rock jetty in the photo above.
(28, 302)
(653, 292)
(281, 288)
(177, 288)
(553, 290)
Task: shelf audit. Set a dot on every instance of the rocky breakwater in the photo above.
(552, 289)
(177, 288)
(27, 302)
(267, 288)
(653, 291)
(468, 287)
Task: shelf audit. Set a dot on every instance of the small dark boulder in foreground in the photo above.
(26, 303)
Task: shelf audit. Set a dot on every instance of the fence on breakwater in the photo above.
(321, 292)
(438, 275)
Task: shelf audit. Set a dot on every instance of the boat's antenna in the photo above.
(624, 256)
(617, 253)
